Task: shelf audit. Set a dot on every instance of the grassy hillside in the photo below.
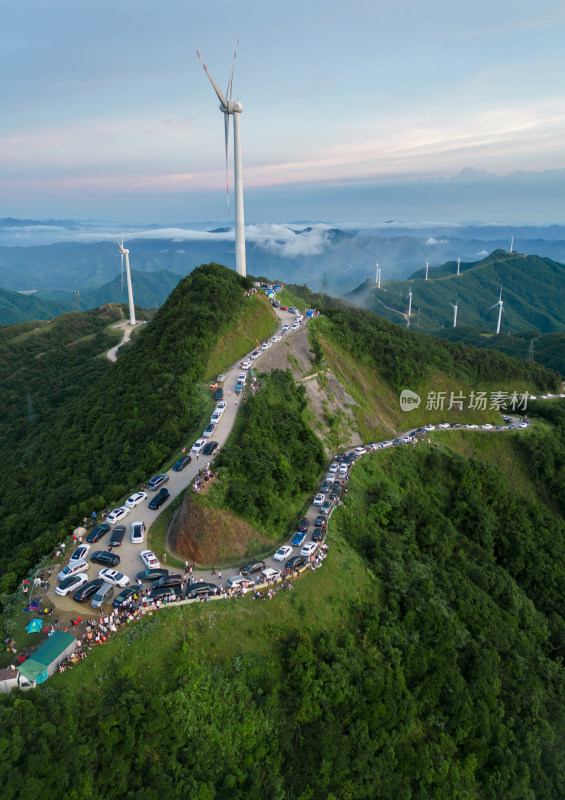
(533, 294)
(16, 307)
(422, 660)
(119, 429)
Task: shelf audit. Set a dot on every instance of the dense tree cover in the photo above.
(121, 428)
(406, 358)
(273, 458)
(544, 449)
(442, 683)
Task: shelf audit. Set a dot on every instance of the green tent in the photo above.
(46, 658)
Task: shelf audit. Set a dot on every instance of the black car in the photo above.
(317, 535)
(162, 591)
(334, 494)
(168, 580)
(87, 590)
(209, 448)
(97, 533)
(105, 558)
(198, 589)
(253, 566)
(320, 521)
(219, 394)
(124, 595)
(181, 463)
(117, 535)
(295, 562)
(151, 574)
(159, 499)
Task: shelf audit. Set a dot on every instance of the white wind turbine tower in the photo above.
(427, 268)
(512, 245)
(125, 252)
(378, 280)
(458, 266)
(234, 108)
(410, 302)
(500, 304)
(455, 307)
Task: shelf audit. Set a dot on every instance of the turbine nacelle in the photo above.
(233, 107)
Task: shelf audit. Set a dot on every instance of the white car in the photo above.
(149, 559)
(71, 584)
(295, 326)
(137, 531)
(114, 577)
(240, 582)
(265, 345)
(268, 574)
(343, 470)
(80, 553)
(359, 451)
(209, 430)
(430, 428)
(255, 355)
(319, 499)
(242, 377)
(524, 425)
(246, 364)
(276, 339)
(215, 418)
(443, 425)
(486, 426)
(334, 468)
(406, 439)
(72, 568)
(198, 445)
(285, 328)
(221, 407)
(135, 499)
(309, 549)
(283, 553)
(117, 515)
(387, 443)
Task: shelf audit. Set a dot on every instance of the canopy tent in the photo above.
(34, 626)
(46, 658)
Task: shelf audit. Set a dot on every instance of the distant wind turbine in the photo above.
(455, 307)
(500, 304)
(458, 266)
(512, 245)
(234, 108)
(427, 268)
(125, 252)
(410, 302)
(378, 281)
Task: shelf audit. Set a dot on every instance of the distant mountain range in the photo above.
(533, 292)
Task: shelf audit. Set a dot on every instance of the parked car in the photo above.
(333, 468)
(320, 521)
(246, 364)
(221, 406)
(334, 494)
(105, 558)
(309, 549)
(319, 499)
(124, 595)
(179, 465)
(150, 559)
(326, 507)
(343, 470)
(87, 590)
(295, 562)
(303, 524)
(255, 355)
(325, 487)
(157, 481)
(238, 388)
(197, 589)
(167, 591)
(70, 584)
(240, 582)
(103, 595)
(298, 538)
(252, 567)
(114, 577)
(157, 501)
(136, 499)
(198, 445)
(219, 394)
(72, 568)
(168, 580)
(137, 531)
(209, 448)
(317, 535)
(242, 377)
(117, 536)
(215, 418)
(151, 574)
(359, 451)
(208, 430)
(97, 533)
(268, 574)
(283, 553)
(117, 515)
(80, 553)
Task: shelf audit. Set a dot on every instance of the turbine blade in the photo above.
(494, 306)
(217, 89)
(228, 93)
(121, 246)
(227, 129)
(122, 257)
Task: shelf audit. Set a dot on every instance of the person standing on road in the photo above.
(164, 559)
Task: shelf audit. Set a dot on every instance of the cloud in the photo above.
(482, 254)
(431, 240)
(289, 242)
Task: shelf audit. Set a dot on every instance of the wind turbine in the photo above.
(500, 304)
(125, 252)
(410, 301)
(455, 307)
(427, 268)
(234, 108)
(378, 281)
(458, 265)
(512, 245)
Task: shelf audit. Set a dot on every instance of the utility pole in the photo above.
(77, 292)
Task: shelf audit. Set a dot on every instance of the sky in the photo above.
(359, 111)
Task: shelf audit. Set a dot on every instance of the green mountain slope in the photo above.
(533, 294)
(124, 425)
(15, 307)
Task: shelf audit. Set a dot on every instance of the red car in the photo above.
(303, 524)
(284, 308)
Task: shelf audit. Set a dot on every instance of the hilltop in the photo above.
(533, 294)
